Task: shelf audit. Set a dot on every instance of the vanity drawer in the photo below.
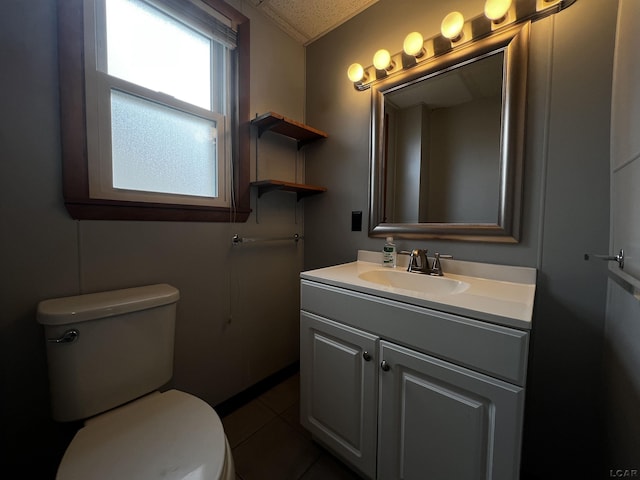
(492, 349)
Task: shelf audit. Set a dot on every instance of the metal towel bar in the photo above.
(237, 239)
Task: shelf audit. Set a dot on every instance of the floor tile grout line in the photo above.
(286, 415)
(274, 412)
(310, 466)
(284, 420)
(281, 416)
(276, 416)
(245, 440)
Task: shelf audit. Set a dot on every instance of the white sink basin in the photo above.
(499, 294)
(415, 282)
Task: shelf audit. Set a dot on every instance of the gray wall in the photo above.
(408, 157)
(464, 177)
(238, 314)
(565, 208)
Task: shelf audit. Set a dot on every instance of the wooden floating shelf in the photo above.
(303, 134)
(301, 190)
(274, 122)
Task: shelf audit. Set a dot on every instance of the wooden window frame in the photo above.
(75, 170)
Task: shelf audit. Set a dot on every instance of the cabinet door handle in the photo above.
(385, 366)
(366, 356)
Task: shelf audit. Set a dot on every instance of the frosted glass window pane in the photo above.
(149, 48)
(159, 149)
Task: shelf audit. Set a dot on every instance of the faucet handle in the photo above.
(436, 269)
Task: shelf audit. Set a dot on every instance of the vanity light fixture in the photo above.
(382, 60)
(452, 26)
(356, 72)
(414, 45)
(456, 32)
(497, 10)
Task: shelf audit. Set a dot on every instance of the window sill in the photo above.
(90, 209)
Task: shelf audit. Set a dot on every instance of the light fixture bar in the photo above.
(456, 32)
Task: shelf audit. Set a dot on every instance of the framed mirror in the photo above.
(447, 144)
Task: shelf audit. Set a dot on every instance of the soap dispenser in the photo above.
(389, 253)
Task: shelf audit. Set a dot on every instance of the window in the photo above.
(154, 130)
(156, 84)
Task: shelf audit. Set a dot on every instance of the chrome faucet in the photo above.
(419, 262)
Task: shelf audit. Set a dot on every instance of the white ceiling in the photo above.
(308, 20)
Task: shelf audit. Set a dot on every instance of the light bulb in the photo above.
(413, 44)
(382, 59)
(355, 72)
(452, 25)
(496, 10)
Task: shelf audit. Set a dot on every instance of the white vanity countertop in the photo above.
(496, 293)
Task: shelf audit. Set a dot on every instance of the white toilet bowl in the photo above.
(170, 435)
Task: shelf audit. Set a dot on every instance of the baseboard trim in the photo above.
(254, 391)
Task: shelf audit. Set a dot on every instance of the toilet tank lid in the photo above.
(80, 308)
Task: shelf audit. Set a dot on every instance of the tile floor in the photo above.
(268, 442)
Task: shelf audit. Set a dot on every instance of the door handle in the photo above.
(611, 258)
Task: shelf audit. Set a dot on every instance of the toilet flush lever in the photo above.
(67, 337)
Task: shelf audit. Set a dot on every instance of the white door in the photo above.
(622, 327)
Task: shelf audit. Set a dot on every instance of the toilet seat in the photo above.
(170, 435)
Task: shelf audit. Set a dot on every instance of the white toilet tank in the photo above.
(105, 349)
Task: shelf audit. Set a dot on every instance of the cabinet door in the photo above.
(338, 376)
(438, 420)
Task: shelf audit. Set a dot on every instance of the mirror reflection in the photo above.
(448, 139)
(443, 146)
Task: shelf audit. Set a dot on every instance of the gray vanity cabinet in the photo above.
(338, 389)
(438, 420)
(406, 392)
